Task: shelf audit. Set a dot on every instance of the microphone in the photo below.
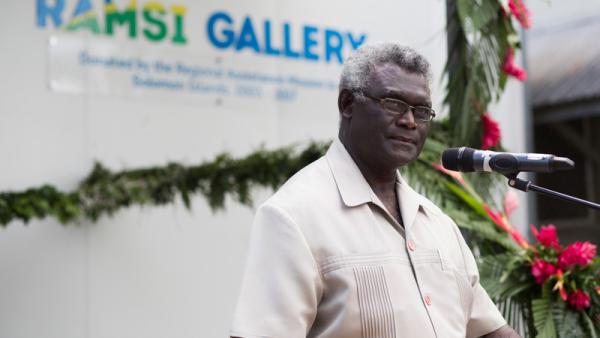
(468, 160)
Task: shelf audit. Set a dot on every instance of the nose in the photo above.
(407, 120)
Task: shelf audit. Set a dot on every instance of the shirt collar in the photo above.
(410, 201)
(355, 190)
(351, 183)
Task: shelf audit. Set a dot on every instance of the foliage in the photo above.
(479, 35)
(542, 288)
(104, 192)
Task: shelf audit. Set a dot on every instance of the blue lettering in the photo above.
(333, 47)
(43, 10)
(83, 17)
(83, 6)
(313, 43)
(228, 36)
(288, 43)
(309, 42)
(268, 49)
(247, 37)
(356, 43)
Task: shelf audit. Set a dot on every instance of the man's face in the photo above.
(378, 137)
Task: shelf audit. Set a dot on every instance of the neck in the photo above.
(381, 179)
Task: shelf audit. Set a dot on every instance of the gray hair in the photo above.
(356, 69)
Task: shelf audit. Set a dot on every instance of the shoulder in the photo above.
(307, 189)
(306, 197)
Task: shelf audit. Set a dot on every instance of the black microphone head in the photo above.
(450, 158)
(458, 159)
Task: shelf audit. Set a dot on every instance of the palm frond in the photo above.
(543, 315)
(588, 326)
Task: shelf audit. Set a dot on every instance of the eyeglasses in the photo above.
(399, 108)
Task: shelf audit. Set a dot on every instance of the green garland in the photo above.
(104, 192)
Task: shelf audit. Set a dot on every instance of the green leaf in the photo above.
(477, 14)
(467, 198)
(588, 325)
(543, 319)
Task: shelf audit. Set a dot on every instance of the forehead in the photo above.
(391, 79)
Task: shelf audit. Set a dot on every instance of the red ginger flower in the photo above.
(491, 132)
(542, 270)
(560, 285)
(577, 254)
(497, 218)
(501, 221)
(454, 174)
(510, 68)
(579, 300)
(546, 236)
(516, 235)
(518, 9)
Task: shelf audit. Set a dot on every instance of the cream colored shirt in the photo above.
(327, 260)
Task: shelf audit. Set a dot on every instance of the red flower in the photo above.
(542, 270)
(516, 235)
(497, 218)
(501, 221)
(518, 9)
(454, 174)
(579, 300)
(510, 68)
(563, 294)
(547, 236)
(576, 254)
(560, 285)
(491, 132)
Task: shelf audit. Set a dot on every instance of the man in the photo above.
(346, 248)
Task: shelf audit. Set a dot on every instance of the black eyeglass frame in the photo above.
(412, 108)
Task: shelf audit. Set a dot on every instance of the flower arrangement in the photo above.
(570, 269)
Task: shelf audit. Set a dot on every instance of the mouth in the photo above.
(403, 139)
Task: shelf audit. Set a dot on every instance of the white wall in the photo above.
(164, 271)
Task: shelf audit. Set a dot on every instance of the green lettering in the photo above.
(179, 12)
(88, 22)
(126, 17)
(160, 28)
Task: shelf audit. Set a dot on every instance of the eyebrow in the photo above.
(401, 96)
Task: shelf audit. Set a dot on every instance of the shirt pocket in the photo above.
(446, 292)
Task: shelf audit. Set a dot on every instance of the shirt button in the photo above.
(411, 245)
(427, 300)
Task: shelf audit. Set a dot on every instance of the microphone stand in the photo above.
(525, 186)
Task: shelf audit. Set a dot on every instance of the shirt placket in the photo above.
(412, 247)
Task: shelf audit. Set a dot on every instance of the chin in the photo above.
(403, 157)
(400, 160)
(404, 162)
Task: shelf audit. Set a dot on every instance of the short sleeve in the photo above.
(281, 284)
(484, 315)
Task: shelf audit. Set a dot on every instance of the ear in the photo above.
(345, 102)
